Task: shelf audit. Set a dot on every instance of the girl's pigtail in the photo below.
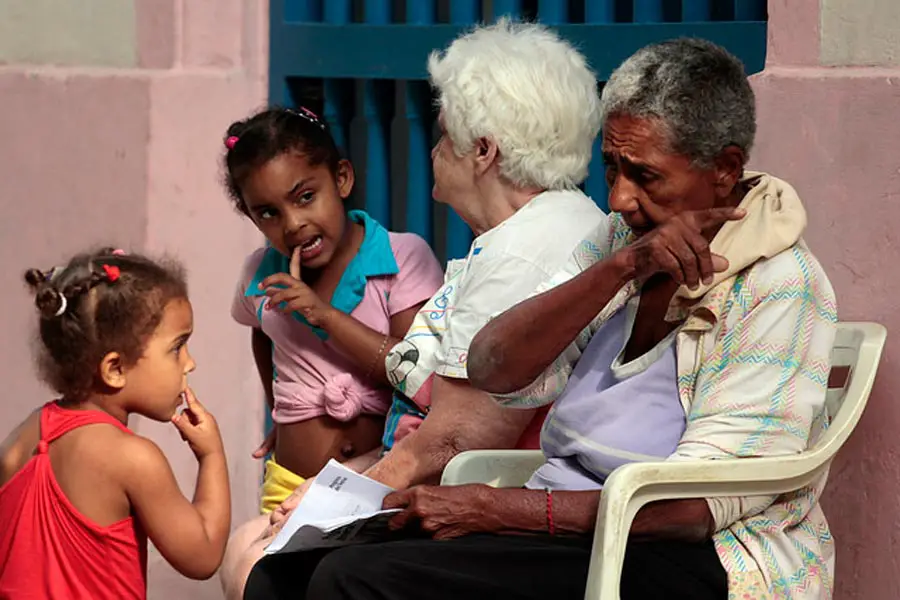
(53, 302)
(49, 301)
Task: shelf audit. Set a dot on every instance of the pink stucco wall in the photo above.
(130, 156)
(834, 133)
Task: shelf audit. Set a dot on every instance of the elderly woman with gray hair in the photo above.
(695, 325)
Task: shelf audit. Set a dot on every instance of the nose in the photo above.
(189, 364)
(436, 147)
(623, 195)
(294, 221)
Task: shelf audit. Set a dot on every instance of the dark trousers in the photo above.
(492, 567)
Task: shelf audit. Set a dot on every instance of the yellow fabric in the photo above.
(775, 220)
(277, 486)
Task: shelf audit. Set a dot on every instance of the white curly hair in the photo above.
(528, 90)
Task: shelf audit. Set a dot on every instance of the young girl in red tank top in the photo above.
(79, 493)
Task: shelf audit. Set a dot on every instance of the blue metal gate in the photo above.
(361, 63)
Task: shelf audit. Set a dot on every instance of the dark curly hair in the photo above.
(270, 133)
(100, 302)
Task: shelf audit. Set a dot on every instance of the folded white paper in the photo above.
(341, 507)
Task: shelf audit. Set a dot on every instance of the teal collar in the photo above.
(375, 258)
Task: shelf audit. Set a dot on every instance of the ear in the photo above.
(728, 168)
(112, 370)
(345, 178)
(486, 154)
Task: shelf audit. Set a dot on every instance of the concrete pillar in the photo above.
(829, 101)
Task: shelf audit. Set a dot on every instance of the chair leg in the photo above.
(614, 518)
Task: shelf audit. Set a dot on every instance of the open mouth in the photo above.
(311, 248)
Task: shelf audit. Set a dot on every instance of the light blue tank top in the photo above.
(611, 413)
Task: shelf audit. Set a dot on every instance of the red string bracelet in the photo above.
(551, 526)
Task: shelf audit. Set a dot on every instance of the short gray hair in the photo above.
(696, 89)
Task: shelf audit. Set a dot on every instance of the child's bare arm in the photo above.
(19, 446)
(367, 347)
(190, 535)
(262, 356)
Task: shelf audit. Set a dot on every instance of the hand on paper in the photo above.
(445, 511)
(280, 515)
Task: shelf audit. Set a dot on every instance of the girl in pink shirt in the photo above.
(329, 293)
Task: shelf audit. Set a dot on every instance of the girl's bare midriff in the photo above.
(305, 447)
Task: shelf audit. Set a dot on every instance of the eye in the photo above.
(646, 177)
(179, 346)
(264, 214)
(305, 198)
(611, 171)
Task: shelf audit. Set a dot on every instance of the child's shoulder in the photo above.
(254, 258)
(409, 245)
(19, 446)
(251, 263)
(407, 240)
(136, 457)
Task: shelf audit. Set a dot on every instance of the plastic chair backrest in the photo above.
(855, 356)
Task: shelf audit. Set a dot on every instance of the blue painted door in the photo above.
(361, 63)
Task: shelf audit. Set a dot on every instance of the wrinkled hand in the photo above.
(287, 293)
(676, 246)
(445, 511)
(279, 516)
(198, 427)
(267, 445)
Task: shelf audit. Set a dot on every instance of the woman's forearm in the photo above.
(576, 513)
(460, 418)
(514, 349)
(685, 520)
(365, 461)
(527, 510)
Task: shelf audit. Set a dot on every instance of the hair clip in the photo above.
(112, 273)
(62, 306)
(118, 252)
(310, 113)
(305, 113)
(231, 141)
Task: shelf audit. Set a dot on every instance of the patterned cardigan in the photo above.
(753, 354)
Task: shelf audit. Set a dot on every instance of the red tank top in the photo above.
(50, 550)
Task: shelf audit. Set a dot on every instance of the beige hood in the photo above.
(774, 222)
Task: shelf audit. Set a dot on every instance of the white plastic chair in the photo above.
(857, 351)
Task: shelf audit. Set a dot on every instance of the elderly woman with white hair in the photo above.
(694, 325)
(519, 113)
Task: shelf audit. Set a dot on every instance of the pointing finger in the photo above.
(295, 263)
(278, 280)
(719, 263)
(194, 405)
(716, 216)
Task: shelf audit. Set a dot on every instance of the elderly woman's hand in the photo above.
(445, 511)
(677, 245)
